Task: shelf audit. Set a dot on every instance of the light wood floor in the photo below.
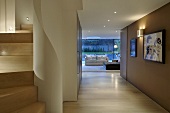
(105, 92)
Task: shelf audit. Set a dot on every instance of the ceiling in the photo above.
(105, 18)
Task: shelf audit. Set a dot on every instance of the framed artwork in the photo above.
(133, 47)
(154, 46)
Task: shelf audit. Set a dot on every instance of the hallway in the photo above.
(104, 92)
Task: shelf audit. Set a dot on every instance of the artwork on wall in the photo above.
(133, 47)
(154, 46)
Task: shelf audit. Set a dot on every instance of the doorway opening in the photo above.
(97, 53)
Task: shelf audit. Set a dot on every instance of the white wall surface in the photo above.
(55, 51)
(70, 49)
(10, 15)
(2, 16)
(47, 70)
(7, 15)
(23, 9)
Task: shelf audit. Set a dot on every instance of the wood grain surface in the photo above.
(103, 92)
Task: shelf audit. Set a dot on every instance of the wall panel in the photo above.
(150, 77)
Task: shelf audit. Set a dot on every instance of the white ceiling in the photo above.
(96, 13)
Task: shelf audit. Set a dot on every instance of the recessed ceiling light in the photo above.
(116, 31)
(108, 20)
(115, 12)
(89, 31)
(104, 26)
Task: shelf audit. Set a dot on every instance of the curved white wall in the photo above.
(55, 51)
(46, 66)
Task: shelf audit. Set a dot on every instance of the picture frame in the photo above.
(154, 46)
(133, 47)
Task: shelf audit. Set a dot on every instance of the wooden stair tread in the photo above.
(16, 38)
(38, 107)
(19, 63)
(16, 49)
(15, 98)
(17, 91)
(27, 27)
(24, 31)
(16, 79)
(10, 91)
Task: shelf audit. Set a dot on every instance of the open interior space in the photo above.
(84, 56)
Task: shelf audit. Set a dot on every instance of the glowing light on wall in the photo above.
(27, 18)
(140, 33)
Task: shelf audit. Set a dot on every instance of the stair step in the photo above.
(26, 26)
(16, 63)
(16, 49)
(15, 98)
(38, 107)
(16, 79)
(16, 38)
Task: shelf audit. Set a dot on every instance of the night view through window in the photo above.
(108, 47)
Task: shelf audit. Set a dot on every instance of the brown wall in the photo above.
(151, 78)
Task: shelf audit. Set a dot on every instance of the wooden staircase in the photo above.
(16, 52)
(18, 93)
